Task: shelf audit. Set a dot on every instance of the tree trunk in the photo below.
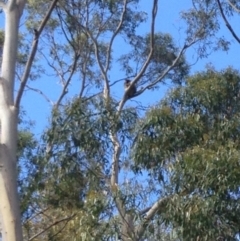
(9, 202)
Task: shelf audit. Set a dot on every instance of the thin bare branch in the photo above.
(33, 53)
(227, 23)
(56, 58)
(36, 214)
(65, 224)
(51, 225)
(162, 76)
(115, 34)
(64, 91)
(145, 65)
(107, 87)
(62, 27)
(97, 54)
(41, 93)
(100, 92)
(83, 85)
(233, 6)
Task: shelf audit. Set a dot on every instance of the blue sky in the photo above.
(168, 21)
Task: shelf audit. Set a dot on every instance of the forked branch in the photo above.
(157, 206)
(145, 65)
(166, 71)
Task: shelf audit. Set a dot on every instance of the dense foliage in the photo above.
(193, 148)
(110, 167)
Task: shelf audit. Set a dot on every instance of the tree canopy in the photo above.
(109, 165)
(193, 149)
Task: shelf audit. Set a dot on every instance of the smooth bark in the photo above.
(9, 202)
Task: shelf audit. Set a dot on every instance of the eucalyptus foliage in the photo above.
(193, 147)
(108, 167)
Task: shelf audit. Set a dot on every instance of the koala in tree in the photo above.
(133, 89)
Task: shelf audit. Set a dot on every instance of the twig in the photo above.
(96, 49)
(51, 237)
(36, 214)
(41, 93)
(51, 225)
(64, 91)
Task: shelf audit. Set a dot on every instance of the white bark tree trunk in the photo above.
(9, 203)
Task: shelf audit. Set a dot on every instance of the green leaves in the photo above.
(193, 138)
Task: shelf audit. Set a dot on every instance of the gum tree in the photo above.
(90, 135)
(78, 46)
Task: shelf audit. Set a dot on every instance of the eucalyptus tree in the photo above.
(78, 43)
(90, 136)
(9, 205)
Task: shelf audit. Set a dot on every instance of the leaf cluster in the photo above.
(193, 138)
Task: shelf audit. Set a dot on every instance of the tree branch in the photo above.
(112, 133)
(157, 206)
(145, 65)
(96, 49)
(227, 23)
(117, 147)
(32, 54)
(115, 34)
(51, 225)
(233, 6)
(64, 91)
(41, 93)
(36, 214)
(166, 71)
